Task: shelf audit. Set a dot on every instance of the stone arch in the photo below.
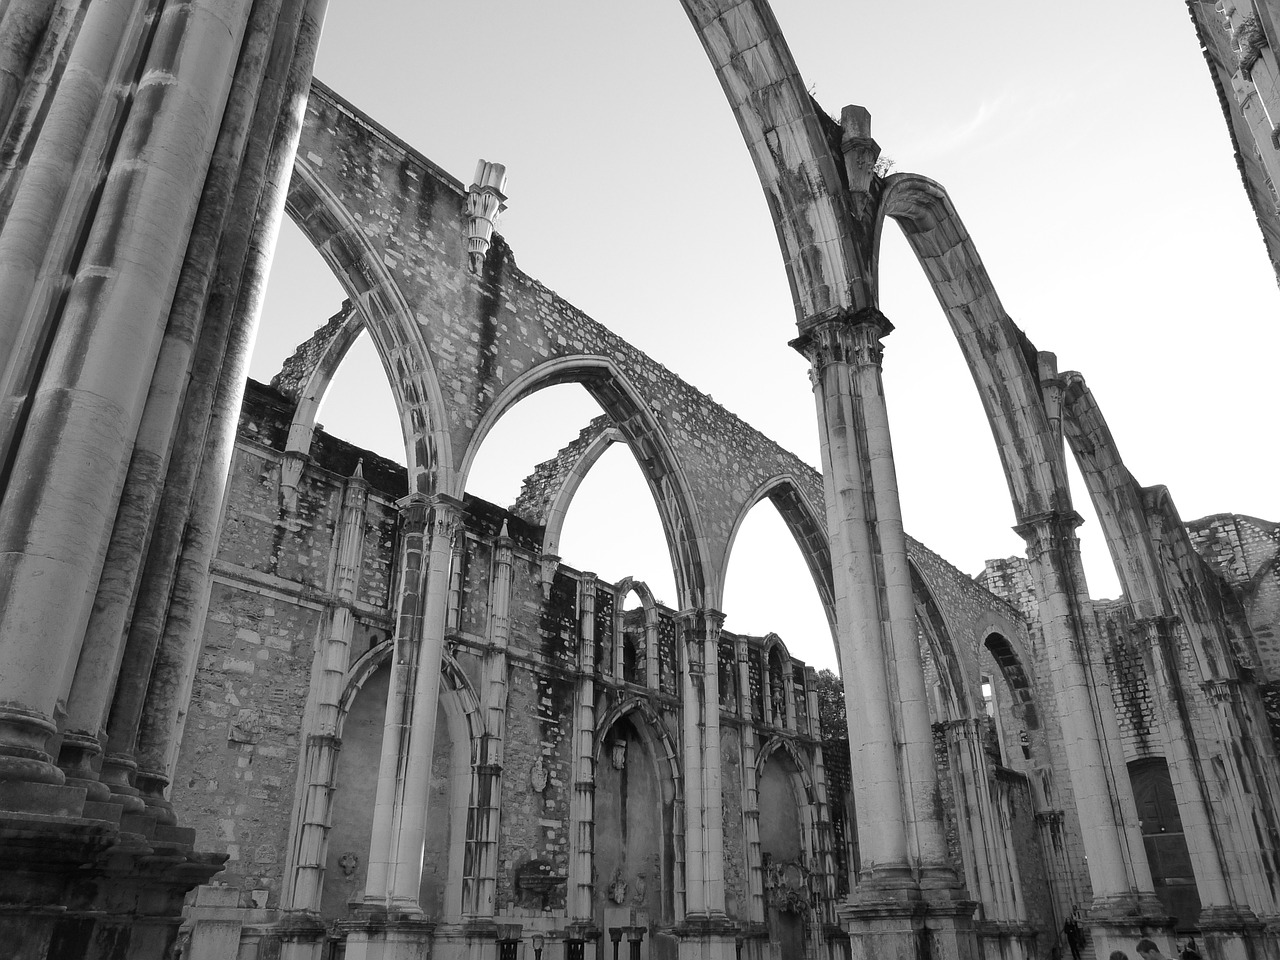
(791, 141)
(1003, 362)
(335, 234)
(613, 391)
(467, 703)
(946, 655)
(649, 605)
(1015, 675)
(788, 746)
(657, 740)
(787, 495)
(668, 757)
(314, 380)
(564, 496)
(463, 727)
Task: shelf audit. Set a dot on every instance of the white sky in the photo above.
(1082, 145)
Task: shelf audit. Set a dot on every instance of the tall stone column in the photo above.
(750, 785)
(60, 497)
(707, 933)
(906, 876)
(582, 804)
(306, 862)
(1124, 903)
(394, 926)
(479, 893)
(828, 343)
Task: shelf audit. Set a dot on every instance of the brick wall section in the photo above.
(1244, 551)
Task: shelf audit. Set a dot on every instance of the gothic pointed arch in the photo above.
(1003, 362)
(609, 386)
(334, 232)
(797, 150)
(787, 494)
(940, 641)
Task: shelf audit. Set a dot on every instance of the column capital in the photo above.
(413, 509)
(842, 335)
(446, 515)
(702, 623)
(1039, 529)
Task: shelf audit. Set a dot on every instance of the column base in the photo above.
(1119, 923)
(376, 935)
(908, 925)
(707, 936)
(1230, 934)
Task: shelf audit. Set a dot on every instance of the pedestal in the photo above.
(1227, 934)
(383, 936)
(707, 937)
(911, 927)
(1120, 925)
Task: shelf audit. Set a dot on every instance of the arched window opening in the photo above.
(770, 588)
(614, 527)
(777, 692)
(632, 660)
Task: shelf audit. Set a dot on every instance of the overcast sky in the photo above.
(1083, 146)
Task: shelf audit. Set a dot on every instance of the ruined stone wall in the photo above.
(271, 604)
(1244, 552)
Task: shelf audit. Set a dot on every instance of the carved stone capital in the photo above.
(842, 336)
(414, 510)
(1044, 530)
(446, 516)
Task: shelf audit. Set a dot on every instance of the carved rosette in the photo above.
(485, 202)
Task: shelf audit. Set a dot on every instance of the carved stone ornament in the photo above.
(348, 862)
(618, 888)
(485, 201)
(538, 776)
(786, 885)
(618, 753)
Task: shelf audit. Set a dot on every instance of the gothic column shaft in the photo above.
(488, 783)
(710, 623)
(73, 136)
(22, 25)
(1101, 831)
(873, 734)
(919, 769)
(103, 645)
(694, 830)
(86, 409)
(825, 840)
(582, 804)
(168, 619)
(417, 738)
(750, 785)
(414, 519)
(311, 830)
(968, 771)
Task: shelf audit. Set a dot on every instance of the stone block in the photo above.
(47, 799)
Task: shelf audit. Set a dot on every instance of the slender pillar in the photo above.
(332, 660)
(750, 785)
(824, 839)
(480, 878)
(694, 829)
(417, 713)
(917, 752)
(582, 804)
(861, 609)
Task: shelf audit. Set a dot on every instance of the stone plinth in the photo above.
(910, 927)
(377, 935)
(707, 937)
(80, 887)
